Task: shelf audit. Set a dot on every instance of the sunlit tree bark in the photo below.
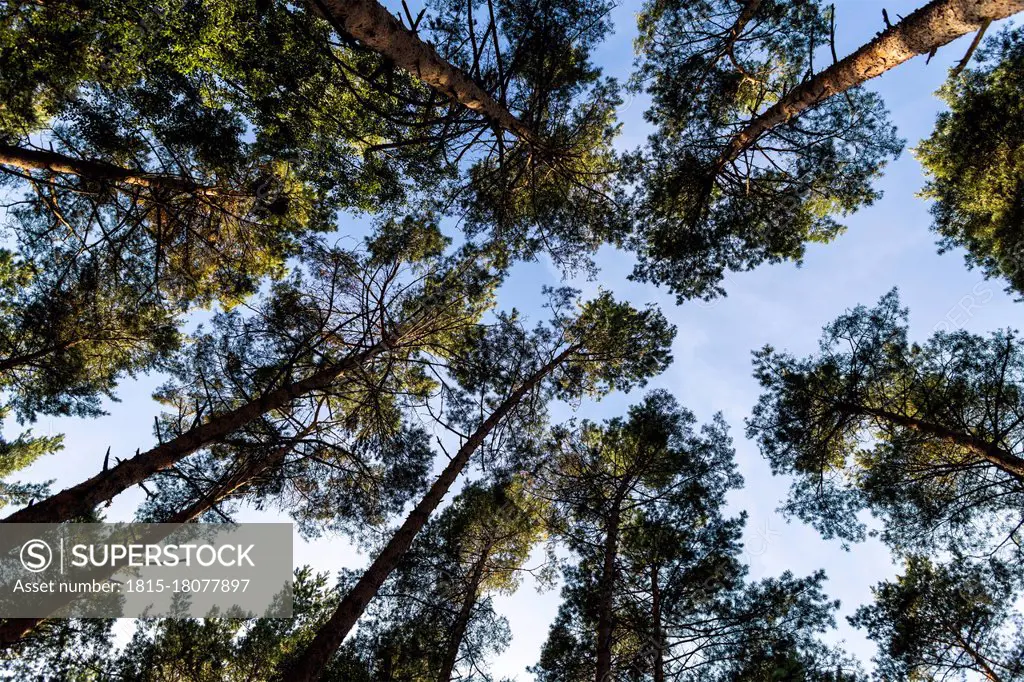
(371, 24)
(921, 32)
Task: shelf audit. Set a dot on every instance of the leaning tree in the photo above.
(435, 618)
(925, 436)
(498, 398)
(762, 135)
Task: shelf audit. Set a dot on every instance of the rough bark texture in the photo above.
(372, 25)
(80, 499)
(13, 630)
(926, 29)
(311, 664)
(36, 159)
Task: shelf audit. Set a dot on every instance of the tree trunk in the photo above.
(983, 664)
(451, 654)
(310, 665)
(14, 629)
(658, 644)
(80, 499)
(605, 624)
(371, 24)
(926, 29)
(1002, 459)
(747, 13)
(17, 361)
(37, 159)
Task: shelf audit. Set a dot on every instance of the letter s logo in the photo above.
(36, 556)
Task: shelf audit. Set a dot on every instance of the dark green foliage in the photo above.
(436, 611)
(925, 436)
(268, 143)
(274, 138)
(62, 649)
(45, 53)
(772, 634)
(554, 193)
(348, 454)
(160, 158)
(503, 416)
(18, 454)
(975, 161)
(701, 213)
(600, 345)
(332, 478)
(68, 335)
(640, 506)
(947, 621)
(622, 346)
(621, 488)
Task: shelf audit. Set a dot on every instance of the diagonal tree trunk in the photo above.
(37, 159)
(17, 361)
(999, 457)
(926, 29)
(310, 665)
(80, 499)
(451, 654)
(371, 24)
(747, 13)
(14, 629)
(983, 663)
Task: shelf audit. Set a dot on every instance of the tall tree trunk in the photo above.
(926, 29)
(14, 629)
(311, 663)
(451, 654)
(606, 597)
(656, 630)
(37, 159)
(371, 24)
(80, 499)
(1002, 459)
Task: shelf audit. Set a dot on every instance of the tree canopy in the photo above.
(973, 161)
(707, 206)
(306, 222)
(925, 436)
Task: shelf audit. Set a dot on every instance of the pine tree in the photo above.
(655, 591)
(435, 615)
(923, 435)
(216, 649)
(707, 205)
(973, 161)
(331, 332)
(508, 377)
(947, 621)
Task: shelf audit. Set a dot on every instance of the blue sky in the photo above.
(888, 244)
